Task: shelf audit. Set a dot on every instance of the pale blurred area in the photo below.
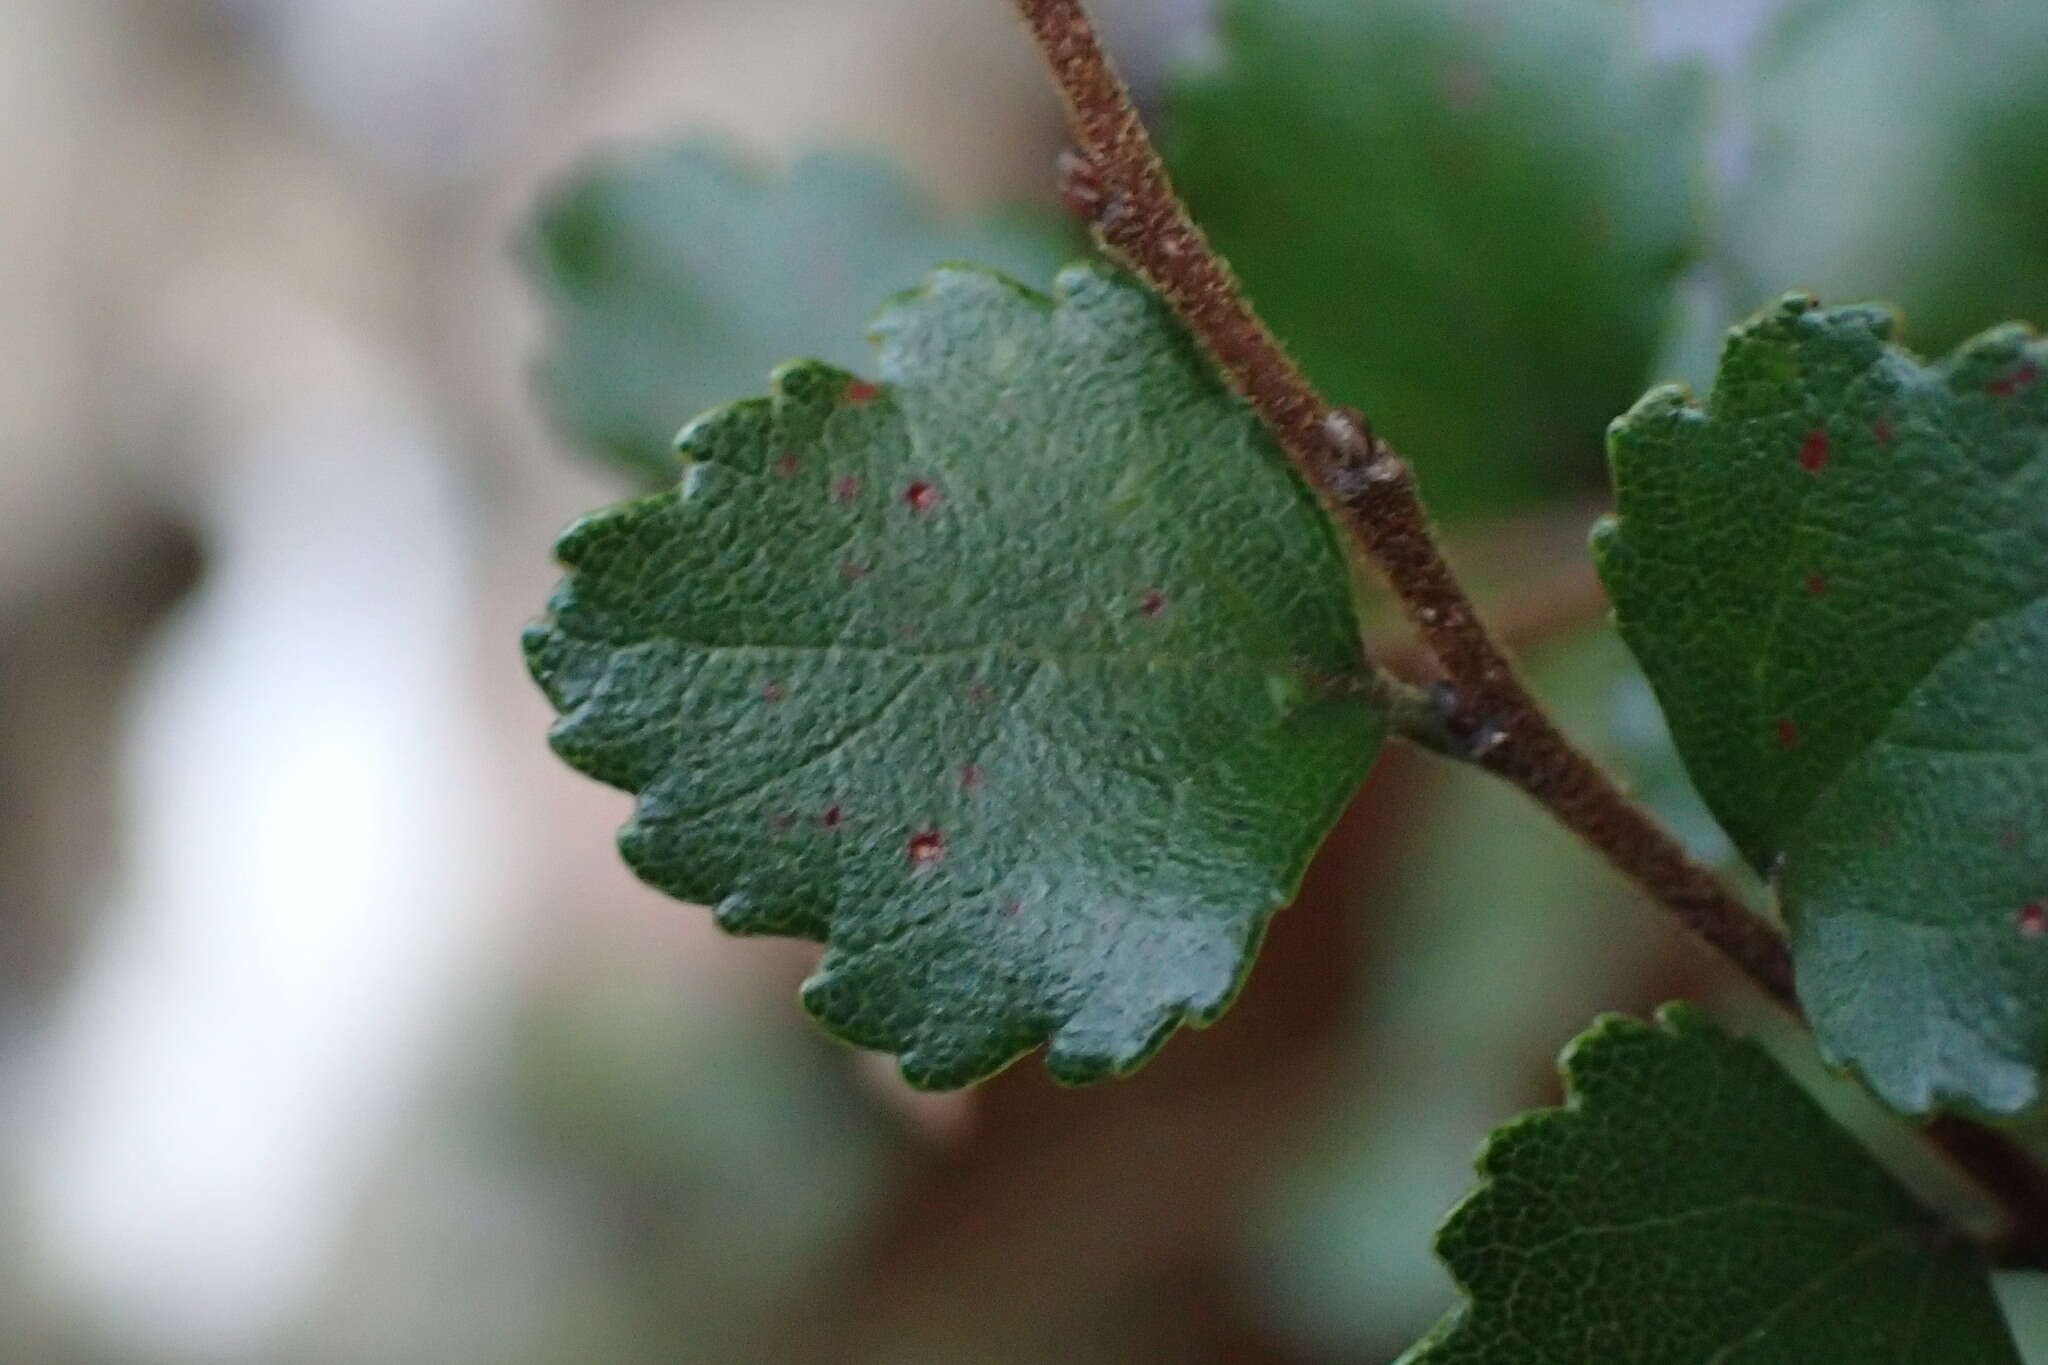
(331, 1028)
(291, 895)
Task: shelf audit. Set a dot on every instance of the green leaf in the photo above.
(1689, 1205)
(1463, 219)
(1835, 574)
(677, 278)
(1028, 680)
(1936, 202)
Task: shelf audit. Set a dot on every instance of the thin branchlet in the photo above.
(1481, 711)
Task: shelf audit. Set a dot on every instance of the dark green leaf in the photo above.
(1836, 576)
(1897, 154)
(678, 278)
(1690, 1206)
(1028, 680)
(1464, 219)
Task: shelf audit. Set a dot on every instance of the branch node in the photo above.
(1350, 436)
(1474, 735)
(1120, 187)
(1081, 188)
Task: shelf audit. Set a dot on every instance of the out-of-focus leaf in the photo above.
(1898, 154)
(1028, 680)
(1463, 218)
(677, 278)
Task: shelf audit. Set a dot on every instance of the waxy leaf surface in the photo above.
(1026, 679)
(1835, 573)
(1691, 1206)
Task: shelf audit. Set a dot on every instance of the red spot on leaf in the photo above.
(1814, 451)
(980, 693)
(1881, 432)
(970, 777)
(925, 848)
(2021, 379)
(781, 823)
(845, 489)
(2033, 920)
(772, 691)
(785, 465)
(852, 571)
(1814, 584)
(920, 496)
(1012, 909)
(1788, 733)
(833, 817)
(1152, 604)
(860, 392)
(2009, 838)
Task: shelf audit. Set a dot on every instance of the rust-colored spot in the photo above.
(2021, 379)
(1814, 451)
(2009, 838)
(1881, 432)
(1012, 908)
(859, 392)
(1814, 584)
(772, 691)
(1152, 604)
(970, 777)
(2033, 920)
(925, 848)
(833, 817)
(1788, 733)
(853, 571)
(845, 489)
(980, 693)
(920, 496)
(785, 465)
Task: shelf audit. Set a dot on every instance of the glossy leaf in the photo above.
(1690, 1204)
(1464, 219)
(1027, 679)
(1835, 573)
(677, 278)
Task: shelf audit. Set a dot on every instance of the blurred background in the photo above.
(331, 1028)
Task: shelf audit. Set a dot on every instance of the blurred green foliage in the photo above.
(1897, 154)
(1464, 219)
(1508, 935)
(730, 1160)
(679, 277)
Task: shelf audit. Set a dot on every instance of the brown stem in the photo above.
(1561, 604)
(1118, 183)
